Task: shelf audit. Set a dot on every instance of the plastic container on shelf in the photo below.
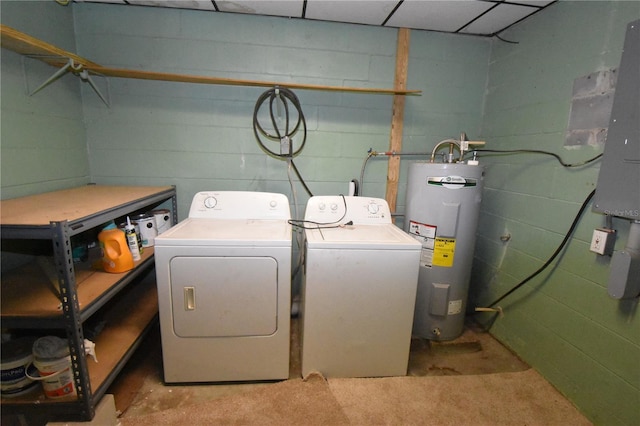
(52, 359)
(16, 358)
(116, 256)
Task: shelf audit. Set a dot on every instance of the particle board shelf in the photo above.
(82, 208)
(126, 323)
(28, 296)
(27, 45)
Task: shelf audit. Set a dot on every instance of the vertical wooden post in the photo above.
(397, 119)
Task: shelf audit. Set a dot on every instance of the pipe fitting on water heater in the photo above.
(463, 146)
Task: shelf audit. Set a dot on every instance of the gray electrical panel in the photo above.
(618, 190)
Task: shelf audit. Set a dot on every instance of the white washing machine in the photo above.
(359, 290)
(224, 289)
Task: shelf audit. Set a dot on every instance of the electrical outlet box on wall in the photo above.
(603, 241)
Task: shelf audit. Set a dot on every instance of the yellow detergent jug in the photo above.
(116, 256)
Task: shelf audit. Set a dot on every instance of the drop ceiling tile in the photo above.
(431, 15)
(498, 18)
(181, 4)
(437, 15)
(370, 12)
(288, 8)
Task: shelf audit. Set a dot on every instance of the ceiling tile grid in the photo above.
(476, 17)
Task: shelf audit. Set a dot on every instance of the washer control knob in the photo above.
(210, 202)
(322, 206)
(273, 203)
(334, 206)
(373, 208)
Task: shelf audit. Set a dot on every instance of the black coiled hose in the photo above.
(285, 137)
(287, 97)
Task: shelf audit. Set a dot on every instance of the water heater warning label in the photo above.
(426, 234)
(422, 230)
(443, 251)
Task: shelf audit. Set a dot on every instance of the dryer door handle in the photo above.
(189, 298)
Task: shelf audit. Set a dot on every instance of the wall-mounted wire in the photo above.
(372, 153)
(536, 151)
(555, 254)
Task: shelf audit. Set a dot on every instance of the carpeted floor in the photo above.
(473, 380)
(518, 398)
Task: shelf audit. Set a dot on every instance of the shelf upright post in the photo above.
(174, 207)
(63, 256)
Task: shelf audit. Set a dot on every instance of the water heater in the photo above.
(443, 203)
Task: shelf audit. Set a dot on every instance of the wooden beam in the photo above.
(32, 47)
(185, 78)
(397, 119)
(26, 45)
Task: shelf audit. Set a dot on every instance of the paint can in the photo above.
(163, 220)
(51, 358)
(148, 231)
(16, 359)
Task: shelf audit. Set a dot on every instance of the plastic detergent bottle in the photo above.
(116, 256)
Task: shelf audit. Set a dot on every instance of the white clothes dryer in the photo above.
(224, 289)
(359, 290)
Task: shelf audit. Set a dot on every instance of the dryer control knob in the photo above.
(210, 202)
(273, 203)
(373, 208)
(334, 206)
(322, 206)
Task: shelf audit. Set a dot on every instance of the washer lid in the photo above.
(364, 237)
(231, 232)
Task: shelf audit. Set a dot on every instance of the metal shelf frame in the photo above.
(73, 317)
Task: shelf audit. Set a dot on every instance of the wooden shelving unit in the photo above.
(32, 299)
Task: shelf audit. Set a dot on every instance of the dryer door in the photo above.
(224, 296)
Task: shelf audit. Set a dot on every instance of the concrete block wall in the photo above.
(200, 137)
(563, 322)
(43, 136)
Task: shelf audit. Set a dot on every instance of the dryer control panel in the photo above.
(239, 205)
(342, 209)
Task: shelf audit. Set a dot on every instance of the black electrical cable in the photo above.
(553, 256)
(304, 184)
(505, 40)
(302, 224)
(536, 151)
